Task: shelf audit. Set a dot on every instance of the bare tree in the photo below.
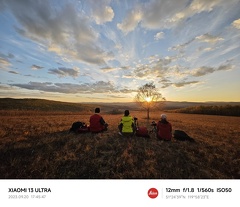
(148, 97)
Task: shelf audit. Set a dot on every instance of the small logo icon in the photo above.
(152, 193)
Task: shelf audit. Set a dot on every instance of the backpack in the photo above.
(142, 132)
(83, 129)
(79, 127)
(182, 136)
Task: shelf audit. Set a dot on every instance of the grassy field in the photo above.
(38, 145)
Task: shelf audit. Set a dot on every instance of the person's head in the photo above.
(97, 110)
(126, 113)
(164, 117)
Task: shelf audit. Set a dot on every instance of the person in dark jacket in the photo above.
(97, 123)
(164, 129)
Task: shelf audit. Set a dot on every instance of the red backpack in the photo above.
(142, 132)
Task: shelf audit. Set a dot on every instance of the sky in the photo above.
(104, 50)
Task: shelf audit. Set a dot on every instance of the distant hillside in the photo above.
(41, 105)
(223, 110)
(170, 105)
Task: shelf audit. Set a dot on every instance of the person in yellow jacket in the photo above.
(126, 125)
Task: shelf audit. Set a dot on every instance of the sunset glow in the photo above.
(148, 99)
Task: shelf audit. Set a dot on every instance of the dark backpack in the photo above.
(76, 126)
(182, 136)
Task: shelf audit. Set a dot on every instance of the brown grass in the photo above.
(39, 146)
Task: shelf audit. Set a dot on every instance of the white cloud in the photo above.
(209, 38)
(159, 14)
(101, 11)
(204, 5)
(131, 21)
(236, 23)
(159, 35)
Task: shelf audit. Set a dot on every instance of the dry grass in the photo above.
(39, 146)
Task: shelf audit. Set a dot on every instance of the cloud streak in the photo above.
(64, 72)
(99, 87)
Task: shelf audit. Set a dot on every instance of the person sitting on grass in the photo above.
(97, 123)
(164, 129)
(126, 125)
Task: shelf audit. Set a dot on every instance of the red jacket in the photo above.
(96, 123)
(164, 130)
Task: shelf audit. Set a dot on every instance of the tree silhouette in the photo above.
(148, 97)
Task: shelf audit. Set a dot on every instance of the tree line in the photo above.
(226, 110)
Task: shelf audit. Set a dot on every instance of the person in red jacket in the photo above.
(97, 123)
(164, 129)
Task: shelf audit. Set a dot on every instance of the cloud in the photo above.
(64, 30)
(236, 23)
(13, 72)
(159, 35)
(100, 87)
(36, 67)
(158, 14)
(108, 69)
(5, 87)
(203, 5)
(184, 83)
(157, 67)
(181, 47)
(131, 21)
(4, 63)
(201, 38)
(165, 82)
(207, 70)
(4, 60)
(101, 11)
(225, 67)
(202, 71)
(209, 38)
(64, 72)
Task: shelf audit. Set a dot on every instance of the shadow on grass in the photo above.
(64, 155)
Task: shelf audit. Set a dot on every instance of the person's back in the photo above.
(126, 124)
(164, 129)
(97, 124)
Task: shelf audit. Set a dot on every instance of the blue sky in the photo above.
(103, 51)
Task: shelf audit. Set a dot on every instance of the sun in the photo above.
(148, 99)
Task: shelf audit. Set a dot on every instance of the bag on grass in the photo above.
(79, 127)
(83, 129)
(182, 136)
(142, 132)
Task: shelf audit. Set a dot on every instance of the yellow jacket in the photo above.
(127, 124)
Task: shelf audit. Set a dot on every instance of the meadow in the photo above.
(38, 145)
